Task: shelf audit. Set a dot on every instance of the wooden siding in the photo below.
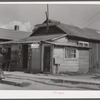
(79, 64)
(66, 65)
(66, 40)
(43, 31)
(99, 56)
(94, 54)
(62, 40)
(35, 60)
(83, 61)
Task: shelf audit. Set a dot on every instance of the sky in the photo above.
(28, 15)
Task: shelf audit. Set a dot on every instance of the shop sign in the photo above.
(34, 45)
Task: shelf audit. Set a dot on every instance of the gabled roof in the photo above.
(86, 33)
(42, 37)
(76, 31)
(69, 30)
(9, 34)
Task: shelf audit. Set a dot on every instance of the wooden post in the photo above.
(57, 69)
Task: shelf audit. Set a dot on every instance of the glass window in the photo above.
(70, 53)
(86, 44)
(82, 43)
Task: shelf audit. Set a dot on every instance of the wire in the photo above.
(91, 18)
(92, 22)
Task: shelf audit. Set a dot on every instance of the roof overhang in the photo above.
(18, 42)
(66, 45)
(33, 41)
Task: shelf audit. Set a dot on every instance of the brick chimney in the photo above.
(16, 27)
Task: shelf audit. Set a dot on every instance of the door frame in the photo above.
(42, 57)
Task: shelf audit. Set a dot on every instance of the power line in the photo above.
(92, 22)
(91, 18)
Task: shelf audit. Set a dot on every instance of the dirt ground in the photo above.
(28, 85)
(24, 81)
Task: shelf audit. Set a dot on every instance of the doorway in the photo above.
(47, 59)
(7, 59)
(25, 56)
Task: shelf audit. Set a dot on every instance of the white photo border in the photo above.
(39, 94)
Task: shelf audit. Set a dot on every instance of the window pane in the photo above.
(85, 44)
(74, 55)
(70, 53)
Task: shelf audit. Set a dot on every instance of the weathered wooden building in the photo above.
(11, 35)
(63, 48)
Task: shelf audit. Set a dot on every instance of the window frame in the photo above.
(84, 44)
(75, 53)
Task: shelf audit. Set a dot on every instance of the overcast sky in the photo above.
(27, 15)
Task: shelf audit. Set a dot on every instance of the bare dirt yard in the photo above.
(26, 81)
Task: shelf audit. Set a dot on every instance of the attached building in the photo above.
(11, 35)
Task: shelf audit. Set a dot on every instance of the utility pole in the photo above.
(47, 18)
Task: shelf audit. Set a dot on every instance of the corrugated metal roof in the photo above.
(12, 34)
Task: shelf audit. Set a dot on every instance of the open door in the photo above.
(47, 59)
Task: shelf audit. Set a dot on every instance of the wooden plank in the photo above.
(83, 61)
(66, 64)
(94, 55)
(35, 67)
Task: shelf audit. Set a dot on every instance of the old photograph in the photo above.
(50, 47)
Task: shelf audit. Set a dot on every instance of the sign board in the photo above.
(34, 45)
